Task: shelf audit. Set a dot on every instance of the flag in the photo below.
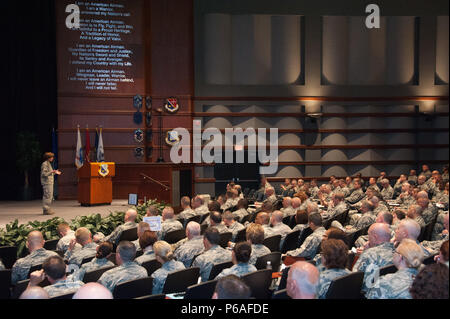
(87, 146)
(96, 142)
(100, 150)
(79, 158)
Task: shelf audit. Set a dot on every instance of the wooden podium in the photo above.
(93, 188)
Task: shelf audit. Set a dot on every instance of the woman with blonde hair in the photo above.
(164, 254)
(407, 258)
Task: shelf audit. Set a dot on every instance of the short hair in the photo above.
(267, 207)
(163, 250)
(212, 235)
(54, 267)
(335, 253)
(193, 228)
(227, 215)
(444, 250)
(411, 252)
(126, 250)
(104, 250)
(143, 226)
(169, 211)
(214, 206)
(242, 251)
(339, 196)
(153, 210)
(148, 238)
(387, 217)
(232, 287)
(243, 203)
(301, 217)
(431, 283)
(255, 233)
(63, 227)
(336, 233)
(216, 217)
(48, 155)
(315, 218)
(185, 200)
(400, 214)
(82, 234)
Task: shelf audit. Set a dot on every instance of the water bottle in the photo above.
(269, 265)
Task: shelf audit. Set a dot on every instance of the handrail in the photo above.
(155, 181)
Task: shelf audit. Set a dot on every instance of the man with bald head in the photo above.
(382, 218)
(130, 222)
(83, 237)
(93, 290)
(38, 254)
(33, 293)
(408, 228)
(302, 281)
(278, 227)
(169, 223)
(287, 209)
(421, 183)
(191, 246)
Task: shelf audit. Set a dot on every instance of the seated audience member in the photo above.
(152, 211)
(270, 196)
(255, 236)
(412, 177)
(443, 254)
(387, 192)
(192, 246)
(301, 220)
(357, 193)
(441, 197)
(313, 189)
(240, 258)
(382, 218)
(66, 235)
(434, 245)
(302, 281)
(407, 259)
(334, 258)
(440, 230)
(367, 218)
(146, 241)
(241, 211)
(169, 223)
(263, 219)
(213, 254)
(231, 287)
(415, 213)
(141, 228)
(38, 254)
(54, 269)
(336, 207)
(127, 269)
(428, 210)
(33, 293)
(422, 183)
(331, 233)
(164, 255)
(398, 215)
(373, 184)
(93, 290)
(233, 226)
(405, 198)
(187, 211)
(431, 283)
(287, 209)
(230, 201)
(296, 202)
(215, 219)
(287, 185)
(129, 222)
(408, 228)
(83, 237)
(278, 227)
(199, 207)
(100, 261)
(381, 177)
(313, 241)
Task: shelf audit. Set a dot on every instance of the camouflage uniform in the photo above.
(412, 178)
(271, 199)
(228, 204)
(191, 248)
(434, 246)
(355, 197)
(366, 219)
(22, 266)
(362, 240)
(76, 256)
(442, 198)
(64, 242)
(215, 255)
(394, 286)
(167, 226)
(405, 201)
(146, 256)
(160, 275)
(387, 193)
(288, 211)
(267, 231)
(234, 229)
(335, 211)
(281, 229)
(222, 228)
(379, 256)
(202, 210)
(325, 279)
(137, 245)
(438, 227)
(115, 235)
(420, 221)
(314, 191)
(300, 227)
(94, 264)
(429, 213)
(63, 287)
(258, 250)
(380, 208)
(310, 246)
(239, 270)
(186, 214)
(125, 272)
(47, 180)
(239, 214)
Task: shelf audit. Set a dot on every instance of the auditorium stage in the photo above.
(67, 209)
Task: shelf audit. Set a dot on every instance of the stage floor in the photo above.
(67, 209)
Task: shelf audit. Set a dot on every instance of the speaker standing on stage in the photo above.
(47, 180)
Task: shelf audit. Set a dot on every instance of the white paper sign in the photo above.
(154, 222)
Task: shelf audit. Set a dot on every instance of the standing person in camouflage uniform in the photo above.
(100, 261)
(192, 247)
(127, 269)
(240, 258)
(164, 255)
(66, 235)
(334, 258)
(130, 222)
(146, 241)
(255, 236)
(47, 180)
(169, 223)
(83, 237)
(407, 258)
(214, 254)
(38, 254)
(54, 269)
(233, 226)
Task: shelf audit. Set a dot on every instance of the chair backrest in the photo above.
(241, 235)
(196, 219)
(246, 218)
(20, 287)
(217, 269)
(280, 294)
(342, 218)
(152, 297)
(65, 296)
(139, 253)
(429, 260)
(290, 242)
(193, 259)
(327, 223)
(305, 233)
(286, 220)
(5, 283)
(8, 255)
(259, 283)
(179, 281)
(87, 259)
(422, 234)
(151, 266)
(175, 236)
(129, 235)
(34, 268)
(51, 244)
(428, 232)
(134, 288)
(225, 238)
(204, 216)
(274, 258)
(94, 275)
(283, 280)
(203, 290)
(346, 287)
(273, 243)
(389, 269)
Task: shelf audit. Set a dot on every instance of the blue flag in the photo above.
(79, 158)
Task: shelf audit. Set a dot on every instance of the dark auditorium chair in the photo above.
(389, 269)
(182, 221)
(280, 294)
(134, 288)
(346, 287)
(204, 216)
(283, 280)
(422, 234)
(51, 244)
(196, 219)
(87, 259)
(342, 218)
(94, 275)
(34, 268)
(241, 236)
(428, 232)
(305, 233)
(224, 239)
(151, 266)
(274, 258)
(203, 228)
(8, 254)
(204, 290)
(175, 236)
(152, 297)
(139, 253)
(290, 242)
(5, 283)
(128, 235)
(259, 283)
(217, 269)
(21, 286)
(273, 243)
(65, 296)
(246, 219)
(287, 220)
(179, 281)
(429, 260)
